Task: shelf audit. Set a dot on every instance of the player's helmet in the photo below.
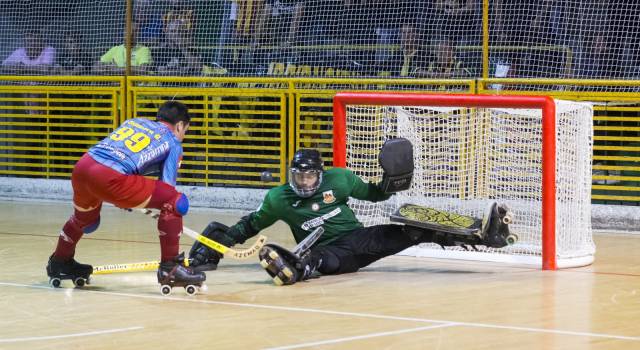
(305, 173)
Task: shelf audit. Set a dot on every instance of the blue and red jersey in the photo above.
(140, 147)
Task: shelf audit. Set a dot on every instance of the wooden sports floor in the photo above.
(397, 303)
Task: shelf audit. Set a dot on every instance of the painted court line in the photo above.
(73, 335)
(341, 313)
(359, 337)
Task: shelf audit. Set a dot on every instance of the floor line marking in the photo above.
(359, 337)
(341, 313)
(73, 335)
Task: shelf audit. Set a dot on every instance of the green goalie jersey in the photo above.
(327, 207)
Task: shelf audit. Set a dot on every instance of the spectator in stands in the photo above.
(180, 10)
(238, 37)
(177, 56)
(445, 65)
(391, 20)
(411, 59)
(456, 16)
(277, 30)
(35, 57)
(228, 25)
(598, 62)
(321, 30)
(114, 60)
(73, 58)
(387, 18)
(147, 14)
(414, 55)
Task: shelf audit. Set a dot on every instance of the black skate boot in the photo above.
(174, 274)
(495, 226)
(59, 270)
(285, 267)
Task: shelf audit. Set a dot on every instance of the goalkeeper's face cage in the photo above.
(305, 182)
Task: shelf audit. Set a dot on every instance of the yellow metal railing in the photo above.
(245, 126)
(47, 124)
(236, 134)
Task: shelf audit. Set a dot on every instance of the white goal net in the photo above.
(466, 157)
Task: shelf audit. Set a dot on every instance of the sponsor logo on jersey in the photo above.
(296, 203)
(153, 153)
(315, 206)
(328, 197)
(319, 221)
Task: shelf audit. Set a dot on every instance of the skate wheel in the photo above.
(287, 272)
(79, 282)
(55, 282)
(277, 281)
(273, 255)
(191, 289)
(88, 280)
(507, 219)
(512, 239)
(165, 289)
(264, 263)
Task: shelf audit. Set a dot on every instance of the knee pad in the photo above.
(91, 227)
(168, 200)
(182, 205)
(87, 221)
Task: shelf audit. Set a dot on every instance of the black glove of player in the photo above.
(396, 160)
(203, 258)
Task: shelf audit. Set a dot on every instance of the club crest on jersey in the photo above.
(328, 197)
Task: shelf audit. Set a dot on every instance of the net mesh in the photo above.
(329, 38)
(466, 157)
(576, 38)
(50, 38)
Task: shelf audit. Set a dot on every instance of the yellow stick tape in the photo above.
(204, 240)
(127, 267)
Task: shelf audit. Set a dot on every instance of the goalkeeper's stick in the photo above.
(224, 250)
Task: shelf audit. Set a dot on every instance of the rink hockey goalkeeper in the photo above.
(317, 198)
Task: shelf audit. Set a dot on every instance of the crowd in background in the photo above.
(437, 39)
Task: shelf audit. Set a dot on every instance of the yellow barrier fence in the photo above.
(47, 123)
(246, 127)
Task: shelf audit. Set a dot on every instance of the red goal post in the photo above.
(548, 147)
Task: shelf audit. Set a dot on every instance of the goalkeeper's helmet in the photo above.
(305, 173)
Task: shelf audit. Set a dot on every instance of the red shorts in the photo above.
(94, 183)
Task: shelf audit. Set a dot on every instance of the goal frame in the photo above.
(545, 103)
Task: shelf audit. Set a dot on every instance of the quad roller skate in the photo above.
(279, 270)
(495, 226)
(172, 274)
(59, 270)
(286, 267)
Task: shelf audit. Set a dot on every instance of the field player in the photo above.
(113, 171)
(317, 197)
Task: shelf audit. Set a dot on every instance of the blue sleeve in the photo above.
(169, 172)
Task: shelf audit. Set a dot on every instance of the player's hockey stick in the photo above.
(238, 254)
